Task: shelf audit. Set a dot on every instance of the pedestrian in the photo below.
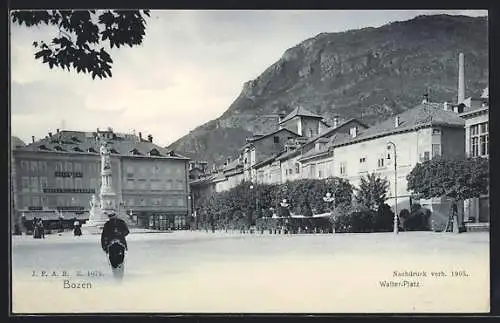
(42, 229)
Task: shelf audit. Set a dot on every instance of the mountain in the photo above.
(16, 142)
(368, 73)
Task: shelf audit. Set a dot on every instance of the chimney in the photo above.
(140, 136)
(228, 160)
(335, 121)
(50, 135)
(461, 79)
(150, 138)
(354, 131)
(57, 130)
(33, 139)
(396, 121)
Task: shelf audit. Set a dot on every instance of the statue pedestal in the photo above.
(96, 222)
(93, 227)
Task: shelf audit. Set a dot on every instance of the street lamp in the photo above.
(329, 198)
(389, 144)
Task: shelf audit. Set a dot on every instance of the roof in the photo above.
(260, 137)
(336, 138)
(232, 165)
(290, 154)
(300, 111)
(421, 116)
(81, 142)
(330, 130)
(269, 160)
(204, 180)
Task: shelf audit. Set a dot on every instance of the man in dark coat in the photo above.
(114, 228)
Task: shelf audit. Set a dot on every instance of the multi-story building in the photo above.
(58, 175)
(475, 114)
(416, 135)
(294, 130)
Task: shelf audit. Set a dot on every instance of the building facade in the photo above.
(57, 176)
(476, 117)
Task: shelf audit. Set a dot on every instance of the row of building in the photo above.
(305, 146)
(56, 176)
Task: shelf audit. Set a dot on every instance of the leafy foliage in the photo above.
(372, 191)
(455, 178)
(243, 203)
(417, 219)
(82, 34)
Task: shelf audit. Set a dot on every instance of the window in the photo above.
(312, 171)
(68, 183)
(436, 150)
(43, 183)
(436, 131)
(24, 164)
(44, 201)
(474, 146)
(75, 201)
(34, 184)
(60, 201)
(276, 139)
(479, 142)
(320, 174)
(380, 162)
(35, 201)
(342, 168)
(78, 183)
(42, 166)
(34, 166)
(59, 167)
(180, 201)
(311, 132)
(169, 202)
(156, 201)
(483, 142)
(130, 183)
(362, 160)
(297, 168)
(290, 171)
(130, 201)
(68, 167)
(59, 182)
(78, 167)
(141, 184)
(25, 184)
(426, 156)
(168, 184)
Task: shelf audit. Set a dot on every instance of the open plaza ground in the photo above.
(185, 271)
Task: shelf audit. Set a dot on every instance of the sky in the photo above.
(189, 69)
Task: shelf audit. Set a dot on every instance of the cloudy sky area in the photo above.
(190, 68)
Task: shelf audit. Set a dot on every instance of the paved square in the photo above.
(231, 272)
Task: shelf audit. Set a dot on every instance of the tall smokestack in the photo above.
(461, 79)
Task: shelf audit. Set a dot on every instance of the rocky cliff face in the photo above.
(369, 73)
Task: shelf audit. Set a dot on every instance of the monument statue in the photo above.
(99, 209)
